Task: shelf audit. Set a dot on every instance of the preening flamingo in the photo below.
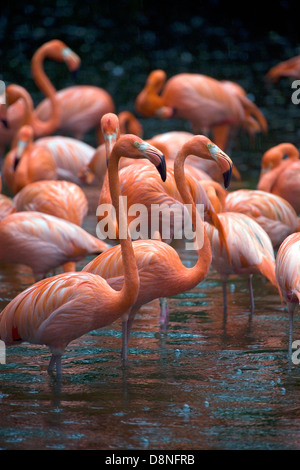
(287, 271)
(27, 163)
(273, 213)
(201, 100)
(161, 271)
(250, 248)
(280, 173)
(17, 115)
(57, 310)
(44, 242)
(288, 68)
(63, 199)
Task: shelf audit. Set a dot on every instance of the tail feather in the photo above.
(267, 269)
(216, 222)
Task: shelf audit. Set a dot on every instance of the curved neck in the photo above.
(128, 293)
(288, 149)
(199, 271)
(45, 85)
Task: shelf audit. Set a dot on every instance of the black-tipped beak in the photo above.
(227, 177)
(5, 123)
(162, 168)
(16, 162)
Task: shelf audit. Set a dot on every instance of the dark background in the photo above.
(121, 42)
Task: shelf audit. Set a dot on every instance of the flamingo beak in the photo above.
(162, 168)
(227, 177)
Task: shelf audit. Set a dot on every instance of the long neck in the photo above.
(128, 293)
(199, 271)
(45, 85)
(290, 150)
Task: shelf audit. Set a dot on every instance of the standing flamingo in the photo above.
(280, 173)
(201, 100)
(287, 271)
(288, 68)
(57, 310)
(63, 199)
(250, 248)
(16, 113)
(27, 163)
(161, 271)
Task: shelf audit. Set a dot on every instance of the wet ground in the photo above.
(205, 383)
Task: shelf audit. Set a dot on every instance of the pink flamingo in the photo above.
(201, 100)
(27, 163)
(287, 271)
(63, 199)
(161, 271)
(250, 248)
(16, 113)
(57, 310)
(280, 173)
(44, 242)
(288, 68)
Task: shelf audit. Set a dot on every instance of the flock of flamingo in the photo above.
(45, 175)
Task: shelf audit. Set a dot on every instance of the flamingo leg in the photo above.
(164, 313)
(124, 341)
(251, 293)
(224, 297)
(55, 361)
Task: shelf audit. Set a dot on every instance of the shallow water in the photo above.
(207, 383)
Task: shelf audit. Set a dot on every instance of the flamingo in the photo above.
(206, 169)
(17, 115)
(57, 310)
(273, 213)
(250, 248)
(63, 199)
(96, 168)
(44, 242)
(280, 173)
(27, 163)
(161, 271)
(288, 68)
(199, 99)
(69, 154)
(287, 271)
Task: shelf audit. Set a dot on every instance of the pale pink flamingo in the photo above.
(17, 115)
(287, 271)
(273, 213)
(63, 199)
(6, 203)
(280, 173)
(161, 271)
(250, 248)
(44, 242)
(57, 310)
(199, 99)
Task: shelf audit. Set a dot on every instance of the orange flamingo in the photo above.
(287, 271)
(44, 242)
(95, 170)
(288, 68)
(27, 163)
(280, 173)
(200, 99)
(250, 248)
(57, 310)
(161, 271)
(16, 113)
(63, 199)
